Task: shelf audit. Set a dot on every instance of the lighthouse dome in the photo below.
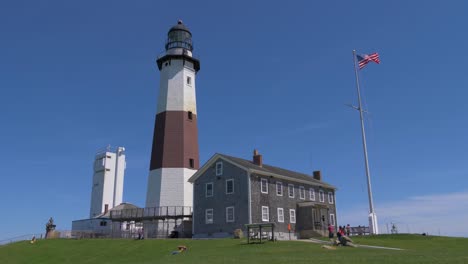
(179, 36)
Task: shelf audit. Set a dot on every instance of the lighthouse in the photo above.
(174, 154)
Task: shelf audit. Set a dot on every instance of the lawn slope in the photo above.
(418, 249)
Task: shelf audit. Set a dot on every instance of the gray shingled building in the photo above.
(231, 192)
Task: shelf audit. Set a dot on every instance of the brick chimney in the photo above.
(106, 208)
(257, 158)
(318, 175)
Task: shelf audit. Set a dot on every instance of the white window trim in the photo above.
(311, 194)
(233, 214)
(220, 171)
(230, 180)
(280, 184)
(207, 221)
(261, 185)
(267, 214)
(332, 219)
(291, 187)
(282, 215)
(206, 189)
(330, 195)
(322, 196)
(292, 214)
(301, 192)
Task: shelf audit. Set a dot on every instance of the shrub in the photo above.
(238, 233)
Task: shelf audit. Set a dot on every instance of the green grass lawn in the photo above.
(418, 249)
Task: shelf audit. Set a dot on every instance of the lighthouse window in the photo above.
(189, 80)
(191, 161)
(190, 115)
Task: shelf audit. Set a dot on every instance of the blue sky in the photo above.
(78, 75)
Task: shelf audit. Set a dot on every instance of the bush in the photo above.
(238, 233)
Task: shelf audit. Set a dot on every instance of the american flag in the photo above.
(364, 59)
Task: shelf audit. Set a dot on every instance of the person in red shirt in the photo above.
(331, 229)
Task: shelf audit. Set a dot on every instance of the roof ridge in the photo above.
(264, 164)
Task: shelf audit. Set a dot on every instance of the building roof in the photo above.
(121, 206)
(264, 169)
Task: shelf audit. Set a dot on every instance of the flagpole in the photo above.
(372, 216)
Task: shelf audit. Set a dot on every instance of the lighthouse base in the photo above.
(170, 187)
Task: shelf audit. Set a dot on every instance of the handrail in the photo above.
(159, 211)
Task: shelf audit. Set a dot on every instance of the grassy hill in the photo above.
(418, 249)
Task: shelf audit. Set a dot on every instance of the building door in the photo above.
(324, 218)
(316, 219)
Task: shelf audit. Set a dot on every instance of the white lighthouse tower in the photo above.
(174, 156)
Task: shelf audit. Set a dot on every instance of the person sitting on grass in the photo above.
(345, 241)
(181, 249)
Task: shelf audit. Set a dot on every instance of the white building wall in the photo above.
(175, 94)
(119, 176)
(97, 194)
(108, 180)
(170, 187)
(92, 225)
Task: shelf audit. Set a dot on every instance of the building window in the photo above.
(301, 192)
(230, 214)
(189, 80)
(219, 168)
(292, 215)
(208, 216)
(280, 215)
(230, 186)
(264, 185)
(209, 189)
(321, 196)
(311, 194)
(265, 214)
(279, 189)
(330, 198)
(332, 219)
(191, 163)
(190, 115)
(107, 169)
(103, 223)
(291, 190)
